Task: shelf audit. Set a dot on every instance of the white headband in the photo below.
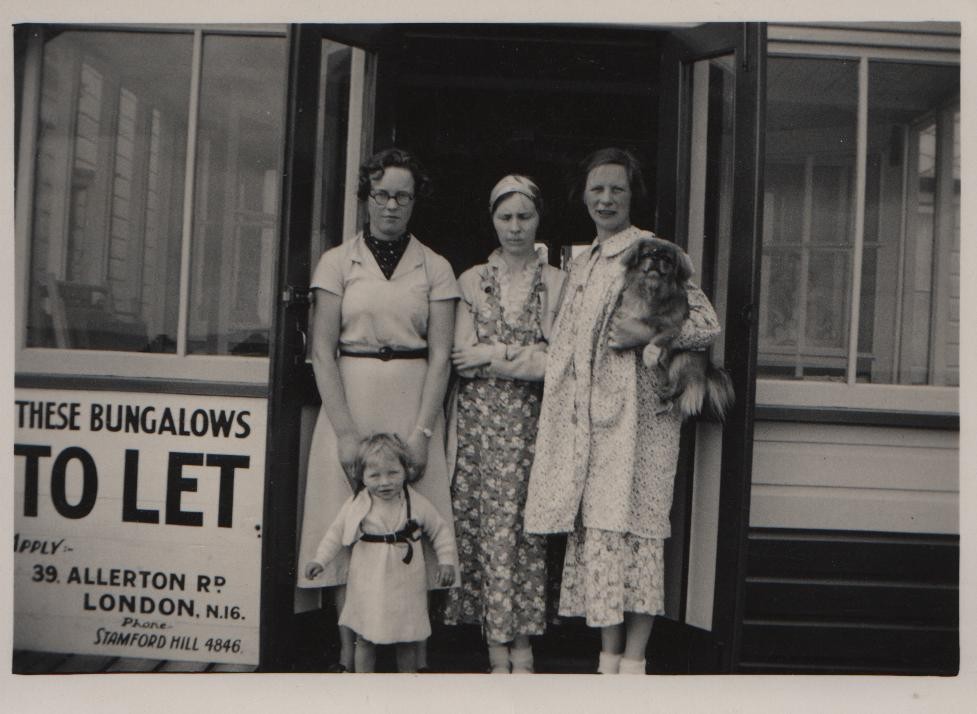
(513, 184)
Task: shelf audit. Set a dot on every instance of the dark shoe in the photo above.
(337, 668)
(425, 670)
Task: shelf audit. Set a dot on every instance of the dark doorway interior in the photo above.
(477, 102)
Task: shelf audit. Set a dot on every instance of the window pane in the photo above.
(779, 314)
(909, 319)
(808, 233)
(236, 196)
(108, 193)
(952, 310)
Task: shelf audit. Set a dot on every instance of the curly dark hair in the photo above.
(382, 160)
(611, 155)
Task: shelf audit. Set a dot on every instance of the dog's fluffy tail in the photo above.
(719, 392)
(713, 396)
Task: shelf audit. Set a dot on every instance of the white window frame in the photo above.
(863, 43)
(106, 363)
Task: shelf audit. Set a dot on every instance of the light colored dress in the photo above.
(386, 598)
(607, 448)
(383, 396)
(503, 569)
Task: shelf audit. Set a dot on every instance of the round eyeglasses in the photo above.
(401, 197)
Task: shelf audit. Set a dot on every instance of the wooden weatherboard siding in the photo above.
(845, 477)
(853, 555)
(851, 602)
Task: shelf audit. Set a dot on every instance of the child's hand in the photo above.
(312, 570)
(446, 575)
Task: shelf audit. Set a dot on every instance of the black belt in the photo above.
(388, 353)
(407, 534)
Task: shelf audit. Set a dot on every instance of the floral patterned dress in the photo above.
(503, 569)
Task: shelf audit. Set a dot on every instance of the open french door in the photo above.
(330, 108)
(709, 200)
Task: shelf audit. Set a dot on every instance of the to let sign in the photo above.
(138, 524)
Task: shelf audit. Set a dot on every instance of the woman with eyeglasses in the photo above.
(382, 331)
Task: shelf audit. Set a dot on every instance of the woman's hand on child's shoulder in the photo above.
(446, 575)
(348, 445)
(312, 570)
(417, 445)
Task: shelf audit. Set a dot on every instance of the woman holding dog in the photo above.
(607, 446)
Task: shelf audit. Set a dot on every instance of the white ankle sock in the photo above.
(632, 666)
(499, 659)
(608, 663)
(522, 660)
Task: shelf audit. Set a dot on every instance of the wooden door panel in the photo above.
(709, 201)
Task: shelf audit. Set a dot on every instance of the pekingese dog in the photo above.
(655, 280)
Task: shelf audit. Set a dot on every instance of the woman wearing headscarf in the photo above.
(503, 322)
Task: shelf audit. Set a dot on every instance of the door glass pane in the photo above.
(910, 297)
(332, 137)
(711, 178)
(108, 192)
(808, 231)
(333, 132)
(236, 195)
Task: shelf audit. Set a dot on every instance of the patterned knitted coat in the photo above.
(605, 447)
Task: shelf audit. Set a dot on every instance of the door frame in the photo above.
(291, 380)
(719, 650)
(289, 377)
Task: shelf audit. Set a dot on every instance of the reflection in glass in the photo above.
(908, 302)
(719, 189)
(828, 282)
(779, 313)
(808, 231)
(236, 195)
(108, 198)
(333, 130)
(909, 315)
(713, 92)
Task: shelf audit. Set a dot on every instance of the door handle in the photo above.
(293, 295)
(301, 345)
